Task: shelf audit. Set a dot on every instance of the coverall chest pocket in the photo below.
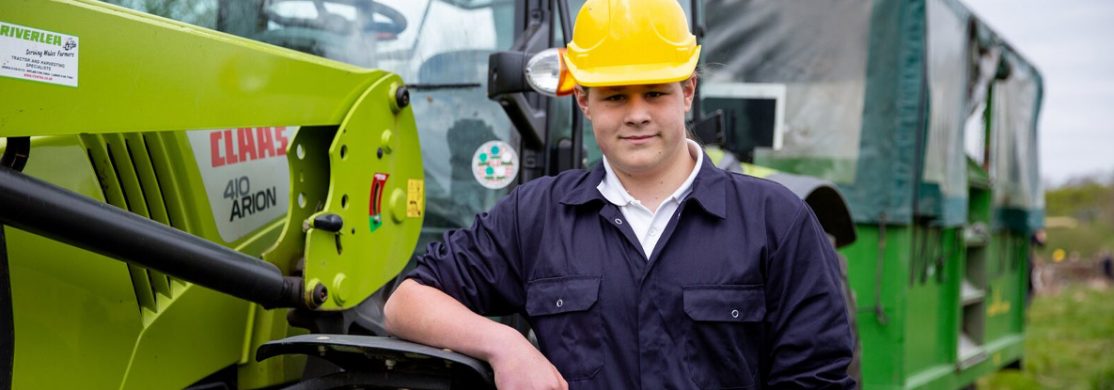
(567, 324)
(722, 343)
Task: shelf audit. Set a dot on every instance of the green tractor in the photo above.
(221, 193)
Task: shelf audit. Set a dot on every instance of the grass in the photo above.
(1089, 240)
(1069, 342)
(1091, 205)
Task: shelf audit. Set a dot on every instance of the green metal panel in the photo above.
(120, 157)
(199, 334)
(878, 266)
(164, 153)
(947, 377)
(1006, 294)
(60, 322)
(168, 75)
(264, 326)
(933, 293)
(311, 175)
(919, 286)
(187, 188)
(71, 314)
(376, 186)
(84, 312)
(914, 344)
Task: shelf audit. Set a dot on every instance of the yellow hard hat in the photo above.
(628, 42)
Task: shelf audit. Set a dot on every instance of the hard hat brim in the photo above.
(639, 74)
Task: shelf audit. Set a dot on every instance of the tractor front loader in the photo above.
(173, 198)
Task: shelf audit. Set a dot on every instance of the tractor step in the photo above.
(382, 362)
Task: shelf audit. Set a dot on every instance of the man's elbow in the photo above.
(396, 303)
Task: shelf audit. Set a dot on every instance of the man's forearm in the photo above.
(426, 315)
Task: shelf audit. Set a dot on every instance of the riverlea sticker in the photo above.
(246, 176)
(495, 164)
(38, 55)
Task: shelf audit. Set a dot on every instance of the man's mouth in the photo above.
(641, 137)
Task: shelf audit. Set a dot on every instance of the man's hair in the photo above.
(695, 77)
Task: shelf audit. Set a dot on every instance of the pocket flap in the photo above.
(726, 303)
(561, 295)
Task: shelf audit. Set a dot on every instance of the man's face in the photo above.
(640, 128)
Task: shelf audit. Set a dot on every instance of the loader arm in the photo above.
(137, 72)
(356, 179)
(169, 75)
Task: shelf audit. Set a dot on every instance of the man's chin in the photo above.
(636, 167)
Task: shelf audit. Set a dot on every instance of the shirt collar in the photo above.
(708, 187)
(612, 189)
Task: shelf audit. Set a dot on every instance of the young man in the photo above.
(654, 270)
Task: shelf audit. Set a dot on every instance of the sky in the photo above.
(1072, 44)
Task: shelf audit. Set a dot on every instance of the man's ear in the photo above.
(581, 95)
(688, 89)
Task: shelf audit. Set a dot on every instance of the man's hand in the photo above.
(426, 315)
(518, 365)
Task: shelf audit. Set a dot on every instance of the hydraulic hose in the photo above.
(14, 157)
(41, 208)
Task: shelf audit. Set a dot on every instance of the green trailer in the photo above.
(926, 122)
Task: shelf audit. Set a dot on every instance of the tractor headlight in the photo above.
(547, 75)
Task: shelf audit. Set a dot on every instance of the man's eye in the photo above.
(655, 94)
(613, 98)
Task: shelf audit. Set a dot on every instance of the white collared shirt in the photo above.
(648, 225)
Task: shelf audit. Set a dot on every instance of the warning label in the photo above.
(38, 55)
(246, 176)
(415, 198)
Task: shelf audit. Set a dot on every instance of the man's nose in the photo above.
(638, 112)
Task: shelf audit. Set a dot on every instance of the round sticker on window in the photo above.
(495, 164)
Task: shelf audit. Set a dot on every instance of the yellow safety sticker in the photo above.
(415, 198)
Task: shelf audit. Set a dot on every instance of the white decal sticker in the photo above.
(32, 54)
(247, 179)
(495, 164)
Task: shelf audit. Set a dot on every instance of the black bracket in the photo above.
(16, 153)
(382, 361)
(14, 157)
(709, 129)
(506, 84)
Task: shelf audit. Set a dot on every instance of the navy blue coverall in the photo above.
(741, 291)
